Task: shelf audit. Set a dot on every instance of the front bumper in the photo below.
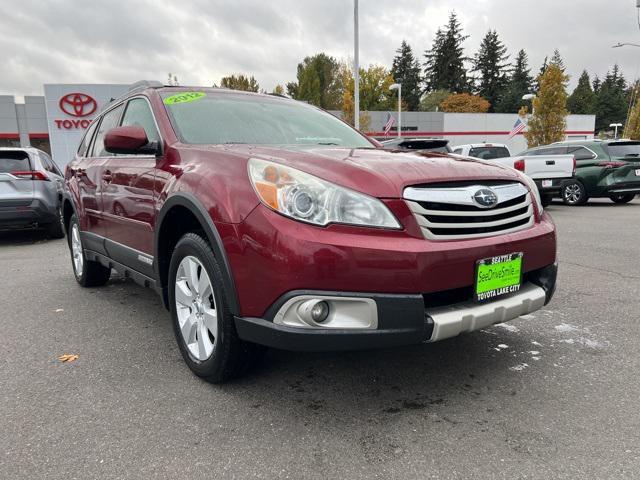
(402, 319)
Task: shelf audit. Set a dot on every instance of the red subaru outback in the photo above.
(263, 221)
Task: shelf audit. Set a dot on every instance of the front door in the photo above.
(128, 196)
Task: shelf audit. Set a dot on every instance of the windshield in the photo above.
(222, 118)
(489, 153)
(624, 149)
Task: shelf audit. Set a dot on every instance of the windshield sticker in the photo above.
(184, 97)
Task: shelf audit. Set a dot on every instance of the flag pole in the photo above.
(356, 68)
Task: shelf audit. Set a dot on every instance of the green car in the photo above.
(604, 168)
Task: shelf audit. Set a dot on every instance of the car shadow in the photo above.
(25, 237)
(346, 389)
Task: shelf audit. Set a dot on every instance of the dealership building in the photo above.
(56, 121)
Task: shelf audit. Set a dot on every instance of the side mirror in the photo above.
(129, 140)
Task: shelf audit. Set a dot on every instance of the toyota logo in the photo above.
(485, 198)
(78, 104)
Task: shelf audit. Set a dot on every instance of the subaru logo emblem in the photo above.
(485, 198)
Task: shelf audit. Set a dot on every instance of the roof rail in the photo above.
(145, 84)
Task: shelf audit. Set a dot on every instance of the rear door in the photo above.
(128, 195)
(91, 183)
(624, 168)
(16, 184)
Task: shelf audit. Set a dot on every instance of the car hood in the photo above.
(377, 172)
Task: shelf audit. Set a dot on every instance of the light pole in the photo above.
(618, 45)
(616, 126)
(527, 97)
(398, 87)
(356, 68)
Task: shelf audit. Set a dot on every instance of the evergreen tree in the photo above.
(491, 63)
(549, 121)
(556, 59)
(519, 84)
(406, 71)
(597, 83)
(611, 105)
(543, 68)
(444, 68)
(582, 101)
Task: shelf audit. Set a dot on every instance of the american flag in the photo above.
(517, 128)
(390, 123)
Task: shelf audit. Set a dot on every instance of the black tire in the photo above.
(574, 193)
(56, 229)
(622, 198)
(91, 274)
(231, 357)
(546, 200)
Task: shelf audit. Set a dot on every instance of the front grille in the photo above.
(452, 213)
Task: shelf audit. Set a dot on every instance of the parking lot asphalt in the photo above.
(551, 395)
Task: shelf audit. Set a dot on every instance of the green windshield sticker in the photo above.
(184, 97)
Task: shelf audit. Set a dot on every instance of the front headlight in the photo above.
(534, 190)
(310, 199)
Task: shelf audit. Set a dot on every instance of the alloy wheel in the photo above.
(196, 308)
(76, 250)
(573, 193)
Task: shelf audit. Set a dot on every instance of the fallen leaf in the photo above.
(68, 357)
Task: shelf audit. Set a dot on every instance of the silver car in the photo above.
(30, 191)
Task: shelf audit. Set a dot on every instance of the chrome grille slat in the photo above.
(445, 213)
(417, 208)
(426, 223)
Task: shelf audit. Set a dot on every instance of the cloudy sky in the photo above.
(121, 41)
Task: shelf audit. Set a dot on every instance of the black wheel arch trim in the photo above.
(67, 197)
(189, 201)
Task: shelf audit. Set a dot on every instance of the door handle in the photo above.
(551, 162)
(106, 176)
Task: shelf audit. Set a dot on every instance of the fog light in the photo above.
(320, 312)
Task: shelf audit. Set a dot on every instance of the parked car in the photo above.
(30, 191)
(418, 144)
(483, 151)
(605, 169)
(549, 171)
(276, 224)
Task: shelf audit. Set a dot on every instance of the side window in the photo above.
(48, 164)
(86, 140)
(458, 151)
(138, 113)
(581, 153)
(109, 121)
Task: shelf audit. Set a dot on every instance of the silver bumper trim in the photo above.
(453, 320)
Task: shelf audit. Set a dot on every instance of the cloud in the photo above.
(122, 41)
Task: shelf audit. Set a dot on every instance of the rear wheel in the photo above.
(56, 229)
(574, 193)
(88, 273)
(622, 198)
(203, 325)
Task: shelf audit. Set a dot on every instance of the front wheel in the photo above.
(622, 198)
(574, 193)
(203, 325)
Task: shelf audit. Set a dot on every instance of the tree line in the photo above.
(448, 80)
